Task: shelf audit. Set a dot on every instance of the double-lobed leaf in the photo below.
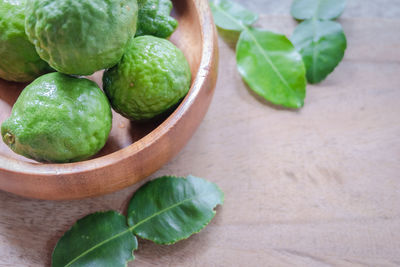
(272, 67)
(165, 210)
(101, 239)
(317, 9)
(322, 45)
(170, 209)
(231, 16)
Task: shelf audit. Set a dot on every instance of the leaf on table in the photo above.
(231, 16)
(322, 45)
(99, 239)
(318, 9)
(272, 67)
(169, 209)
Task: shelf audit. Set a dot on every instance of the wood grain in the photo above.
(317, 187)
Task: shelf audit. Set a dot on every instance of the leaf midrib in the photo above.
(267, 58)
(232, 18)
(96, 246)
(317, 9)
(315, 50)
(130, 229)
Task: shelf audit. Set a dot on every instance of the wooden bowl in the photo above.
(133, 151)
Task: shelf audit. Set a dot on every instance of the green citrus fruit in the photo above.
(81, 36)
(154, 18)
(152, 76)
(58, 118)
(19, 61)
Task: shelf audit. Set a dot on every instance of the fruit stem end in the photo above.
(9, 139)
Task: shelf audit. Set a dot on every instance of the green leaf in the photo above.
(322, 45)
(231, 16)
(272, 67)
(99, 239)
(319, 9)
(169, 209)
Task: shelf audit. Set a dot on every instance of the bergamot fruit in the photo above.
(154, 18)
(81, 36)
(19, 61)
(58, 118)
(152, 76)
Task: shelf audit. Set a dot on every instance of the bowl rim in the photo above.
(18, 167)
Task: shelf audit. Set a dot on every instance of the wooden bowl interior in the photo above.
(124, 133)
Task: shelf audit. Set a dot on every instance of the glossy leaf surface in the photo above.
(100, 239)
(170, 209)
(322, 45)
(272, 67)
(319, 9)
(229, 15)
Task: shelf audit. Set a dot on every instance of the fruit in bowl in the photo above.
(58, 118)
(152, 77)
(81, 36)
(132, 151)
(19, 60)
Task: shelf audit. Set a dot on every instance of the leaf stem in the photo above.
(317, 10)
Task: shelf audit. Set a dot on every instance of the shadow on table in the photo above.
(30, 229)
(263, 101)
(176, 254)
(229, 37)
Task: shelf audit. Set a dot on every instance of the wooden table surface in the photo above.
(314, 187)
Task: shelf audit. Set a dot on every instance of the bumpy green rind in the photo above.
(81, 36)
(154, 18)
(152, 76)
(19, 61)
(58, 118)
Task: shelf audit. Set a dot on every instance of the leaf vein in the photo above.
(268, 59)
(96, 246)
(315, 51)
(164, 210)
(130, 229)
(230, 17)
